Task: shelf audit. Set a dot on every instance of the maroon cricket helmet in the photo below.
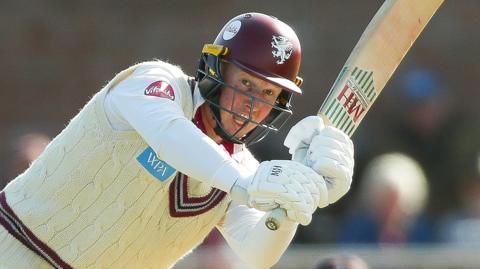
(264, 46)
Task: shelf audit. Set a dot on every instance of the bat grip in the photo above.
(275, 218)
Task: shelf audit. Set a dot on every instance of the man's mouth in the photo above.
(240, 120)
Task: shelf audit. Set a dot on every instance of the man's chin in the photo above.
(238, 135)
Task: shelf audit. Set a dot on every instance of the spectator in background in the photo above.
(430, 105)
(392, 195)
(462, 226)
(443, 140)
(25, 149)
(341, 262)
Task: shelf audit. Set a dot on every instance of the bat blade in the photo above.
(381, 48)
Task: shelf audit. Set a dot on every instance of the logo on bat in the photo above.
(356, 93)
(283, 48)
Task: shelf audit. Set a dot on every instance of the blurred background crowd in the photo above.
(417, 175)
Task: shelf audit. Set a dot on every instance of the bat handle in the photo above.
(275, 218)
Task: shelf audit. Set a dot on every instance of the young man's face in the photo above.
(242, 103)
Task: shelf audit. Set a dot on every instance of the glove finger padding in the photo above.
(331, 155)
(301, 216)
(337, 189)
(289, 185)
(320, 187)
(331, 133)
(323, 197)
(329, 163)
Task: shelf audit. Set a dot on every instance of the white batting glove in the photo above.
(300, 136)
(285, 184)
(327, 150)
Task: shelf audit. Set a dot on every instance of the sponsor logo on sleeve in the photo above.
(160, 89)
(156, 167)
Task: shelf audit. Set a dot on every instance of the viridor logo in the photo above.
(155, 166)
(160, 89)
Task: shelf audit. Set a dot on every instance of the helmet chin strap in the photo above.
(219, 130)
(211, 91)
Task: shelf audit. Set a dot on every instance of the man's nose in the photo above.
(252, 105)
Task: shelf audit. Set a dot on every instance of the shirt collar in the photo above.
(198, 121)
(198, 100)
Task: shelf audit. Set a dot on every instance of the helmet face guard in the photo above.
(212, 85)
(263, 47)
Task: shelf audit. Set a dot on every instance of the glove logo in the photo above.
(276, 170)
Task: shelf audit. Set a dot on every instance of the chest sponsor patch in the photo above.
(156, 167)
(160, 89)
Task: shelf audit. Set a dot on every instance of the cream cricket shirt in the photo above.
(108, 191)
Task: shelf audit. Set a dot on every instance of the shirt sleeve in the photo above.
(245, 232)
(146, 94)
(162, 123)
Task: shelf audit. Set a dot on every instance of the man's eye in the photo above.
(246, 83)
(268, 92)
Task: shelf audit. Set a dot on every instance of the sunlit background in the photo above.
(418, 208)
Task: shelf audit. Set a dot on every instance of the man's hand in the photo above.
(327, 150)
(285, 184)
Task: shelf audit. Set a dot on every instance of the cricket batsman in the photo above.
(157, 159)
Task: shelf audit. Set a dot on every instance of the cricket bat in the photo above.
(381, 48)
